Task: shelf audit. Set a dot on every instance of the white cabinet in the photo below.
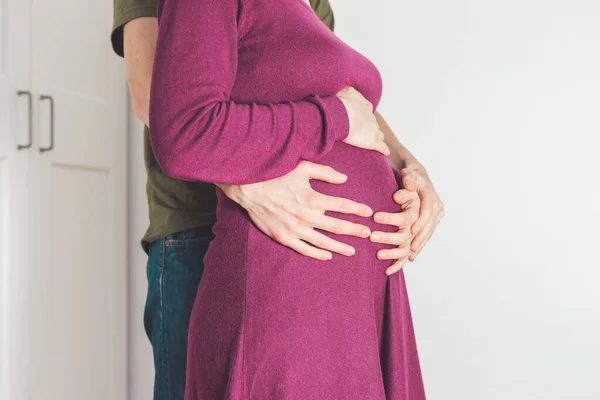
(63, 279)
(15, 99)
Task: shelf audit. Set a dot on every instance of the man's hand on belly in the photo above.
(404, 220)
(288, 210)
(414, 177)
(411, 177)
(421, 212)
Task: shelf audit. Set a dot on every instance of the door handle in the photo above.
(30, 120)
(51, 100)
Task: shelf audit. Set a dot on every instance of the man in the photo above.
(286, 209)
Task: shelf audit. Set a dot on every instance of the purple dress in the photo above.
(242, 92)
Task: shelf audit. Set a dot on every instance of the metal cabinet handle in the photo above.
(51, 100)
(30, 134)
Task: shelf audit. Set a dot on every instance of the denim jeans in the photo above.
(175, 266)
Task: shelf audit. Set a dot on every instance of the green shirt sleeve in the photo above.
(125, 11)
(324, 11)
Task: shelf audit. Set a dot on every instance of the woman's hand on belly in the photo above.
(364, 129)
(288, 210)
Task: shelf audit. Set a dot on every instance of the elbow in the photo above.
(171, 162)
(175, 172)
(140, 99)
(141, 111)
(182, 146)
(175, 157)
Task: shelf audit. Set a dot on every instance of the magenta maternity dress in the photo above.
(242, 92)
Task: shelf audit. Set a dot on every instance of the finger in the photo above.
(339, 226)
(395, 267)
(341, 205)
(409, 179)
(346, 90)
(394, 254)
(399, 238)
(404, 196)
(307, 250)
(380, 135)
(423, 237)
(402, 219)
(321, 241)
(381, 147)
(426, 211)
(325, 173)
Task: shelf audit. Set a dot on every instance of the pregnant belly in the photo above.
(371, 181)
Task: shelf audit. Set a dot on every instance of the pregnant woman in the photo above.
(248, 90)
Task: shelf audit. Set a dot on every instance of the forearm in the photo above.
(198, 132)
(139, 41)
(399, 156)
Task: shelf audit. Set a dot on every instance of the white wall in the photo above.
(500, 101)
(141, 374)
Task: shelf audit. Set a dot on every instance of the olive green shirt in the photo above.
(175, 205)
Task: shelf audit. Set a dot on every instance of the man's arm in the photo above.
(134, 32)
(286, 209)
(140, 45)
(422, 208)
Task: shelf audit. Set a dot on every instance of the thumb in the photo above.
(409, 182)
(404, 196)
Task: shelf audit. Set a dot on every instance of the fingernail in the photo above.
(349, 251)
(366, 233)
(368, 212)
(378, 218)
(327, 257)
(343, 177)
(376, 237)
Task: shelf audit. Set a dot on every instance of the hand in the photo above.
(414, 178)
(364, 129)
(404, 220)
(288, 210)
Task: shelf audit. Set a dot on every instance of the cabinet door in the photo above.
(14, 154)
(79, 315)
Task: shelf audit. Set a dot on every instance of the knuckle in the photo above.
(320, 243)
(337, 228)
(289, 226)
(310, 200)
(442, 208)
(279, 236)
(304, 251)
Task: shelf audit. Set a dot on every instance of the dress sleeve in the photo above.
(197, 132)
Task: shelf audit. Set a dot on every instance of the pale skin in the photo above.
(287, 209)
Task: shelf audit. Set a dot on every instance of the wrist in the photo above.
(234, 192)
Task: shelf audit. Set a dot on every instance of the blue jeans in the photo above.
(175, 266)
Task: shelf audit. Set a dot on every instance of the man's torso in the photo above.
(175, 205)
